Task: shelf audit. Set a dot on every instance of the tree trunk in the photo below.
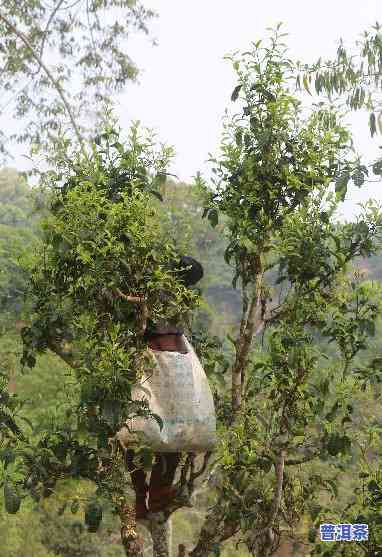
(216, 529)
(261, 541)
(248, 327)
(133, 547)
(131, 541)
(160, 529)
(211, 536)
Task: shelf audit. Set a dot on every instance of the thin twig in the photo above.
(45, 32)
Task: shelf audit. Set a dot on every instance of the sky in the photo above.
(185, 84)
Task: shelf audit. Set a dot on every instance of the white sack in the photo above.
(178, 391)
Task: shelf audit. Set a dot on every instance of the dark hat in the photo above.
(192, 270)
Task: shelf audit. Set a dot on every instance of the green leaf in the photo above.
(338, 444)
(324, 217)
(333, 485)
(220, 380)
(373, 486)
(377, 168)
(93, 516)
(156, 194)
(306, 85)
(264, 464)
(75, 506)
(231, 339)
(119, 147)
(159, 421)
(372, 124)
(7, 456)
(358, 178)
(332, 413)
(239, 137)
(259, 366)
(236, 92)
(341, 184)
(312, 534)
(12, 499)
(370, 328)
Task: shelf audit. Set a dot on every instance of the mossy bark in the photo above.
(160, 529)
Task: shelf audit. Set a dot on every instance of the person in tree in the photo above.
(162, 336)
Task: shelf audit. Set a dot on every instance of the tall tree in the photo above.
(273, 183)
(60, 64)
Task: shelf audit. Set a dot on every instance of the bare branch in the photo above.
(216, 529)
(252, 323)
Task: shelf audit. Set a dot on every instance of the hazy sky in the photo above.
(185, 84)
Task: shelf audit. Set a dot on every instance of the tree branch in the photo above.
(53, 13)
(306, 458)
(55, 83)
(279, 471)
(216, 529)
(202, 469)
(127, 297)
(137, 300)
(253, 322)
